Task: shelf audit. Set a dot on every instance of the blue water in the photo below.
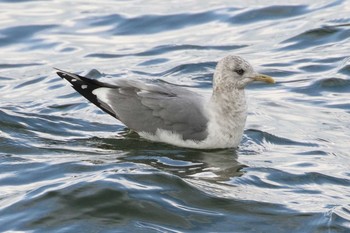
(65, 166)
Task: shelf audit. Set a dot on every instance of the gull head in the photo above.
(233, 72)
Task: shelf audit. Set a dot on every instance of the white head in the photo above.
(233, 72)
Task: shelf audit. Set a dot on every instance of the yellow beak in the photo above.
(264, 78)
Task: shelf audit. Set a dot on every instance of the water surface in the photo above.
(65, 166)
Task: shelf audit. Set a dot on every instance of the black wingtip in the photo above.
(71, 78)
(59, 73)
(63, 74)
(85, 87)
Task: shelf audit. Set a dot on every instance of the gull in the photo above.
(175, 115)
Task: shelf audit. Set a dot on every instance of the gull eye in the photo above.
(239, 71)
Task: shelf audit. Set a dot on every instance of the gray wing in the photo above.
(146, 107)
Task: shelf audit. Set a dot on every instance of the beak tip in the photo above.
(264, 78)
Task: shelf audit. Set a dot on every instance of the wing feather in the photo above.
(146, 107)
(149, 107)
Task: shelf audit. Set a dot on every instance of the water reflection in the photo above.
(210, 165)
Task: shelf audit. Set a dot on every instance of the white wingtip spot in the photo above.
(73, 80)
(84, 86)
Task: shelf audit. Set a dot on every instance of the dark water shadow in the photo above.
(124, 25)
(154, 199)
(23, 33)
(327, 34)
(164, 49)
(268, 13)
(211, 165)
(324, 85)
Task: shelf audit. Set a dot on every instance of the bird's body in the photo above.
(172, 114)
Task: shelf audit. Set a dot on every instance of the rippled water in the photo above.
(67, 167)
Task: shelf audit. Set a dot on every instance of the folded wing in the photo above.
(146, 107)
